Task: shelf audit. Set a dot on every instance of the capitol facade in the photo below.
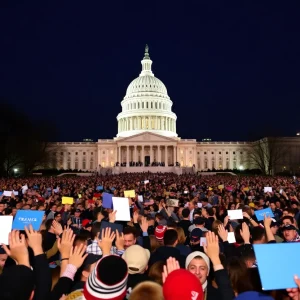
(147, 138)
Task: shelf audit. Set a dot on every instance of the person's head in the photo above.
(137, 259)
(274, 227)
(215, 226)
(108, 280)
(238, 274)
(272, 206)
(192, 205)
(87, 267)
(198, 264)
(181, 235)
(147, 290)
(155, 272)
(258, 235)
(48, 225)
(53, 208)
(287, 220)
(77, 213)
(185, 213)
(289, 232)
(154, 244)
(95, 230)
(80, 239)
(171, 238)
(129, 236)
(57, 217)
(3, 258)
(204, 213)
(249, 258)
(2, 207)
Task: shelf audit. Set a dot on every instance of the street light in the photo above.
(16, 170)
(241, 167)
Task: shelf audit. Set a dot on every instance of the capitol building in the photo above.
(147, 139)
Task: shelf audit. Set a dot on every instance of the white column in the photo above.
(166, 156)
(119, 153)
(158, 154)
(143, 155)
(174, 155)
(127, 156)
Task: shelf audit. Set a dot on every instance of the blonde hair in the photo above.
(155, 272)
(147, 290)
(181, 235)
(154, 244)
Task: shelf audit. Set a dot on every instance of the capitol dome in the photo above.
(146, 105)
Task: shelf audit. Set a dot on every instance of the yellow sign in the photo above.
(79, 196)
(221, 186)
(129, 194)
(67, 200)
(246, 189)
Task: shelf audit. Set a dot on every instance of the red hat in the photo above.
(160, 231)
(85, 222)
(183, 285)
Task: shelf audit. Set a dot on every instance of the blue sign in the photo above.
(26, 217)
(107, 200)
(260, 214)
(99, 188)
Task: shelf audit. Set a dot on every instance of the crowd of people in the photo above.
(169, 250)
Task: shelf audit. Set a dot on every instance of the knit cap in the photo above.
(160, 232)
(182, 284)
(108, 281)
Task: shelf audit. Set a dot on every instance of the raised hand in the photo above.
(144, 224)
(172, 265)
(119, 240)
(65, 243)
(223, 234)
(112, 217)
(34, 240)
(17, 248)
(245, 233)
(212, 248)
(57, 227)
(78, 255)
(107, 238)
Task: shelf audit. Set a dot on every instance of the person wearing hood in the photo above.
(198, 263)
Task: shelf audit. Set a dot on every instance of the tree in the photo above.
(24, 141)
(267, 153)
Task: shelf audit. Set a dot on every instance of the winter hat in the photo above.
(108, 280)
(253, 296)
(194, 254)
(160, 232)
(85, 222)
(136, 258)
(196, 235)
(183, 285)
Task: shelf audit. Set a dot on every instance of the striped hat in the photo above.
(108, 280)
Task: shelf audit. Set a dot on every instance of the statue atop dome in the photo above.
(146, 52)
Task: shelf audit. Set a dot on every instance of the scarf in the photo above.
(204, 286)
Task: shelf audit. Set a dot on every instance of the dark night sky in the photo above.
(231, 69)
